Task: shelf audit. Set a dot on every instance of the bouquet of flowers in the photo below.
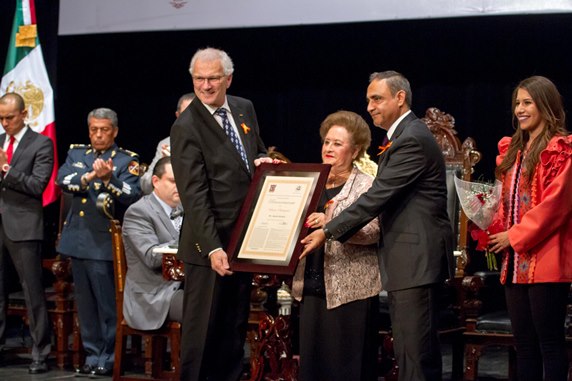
(480, 202)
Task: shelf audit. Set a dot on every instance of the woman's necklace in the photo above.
(337, 179)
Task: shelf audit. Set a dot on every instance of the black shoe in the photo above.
(37, 367)
(84, 371)
(100, 372)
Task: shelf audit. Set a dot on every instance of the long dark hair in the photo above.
(549, 102)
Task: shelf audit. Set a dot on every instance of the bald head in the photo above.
(14, 99)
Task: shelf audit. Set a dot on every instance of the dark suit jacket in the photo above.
(147, 294)
(22, 188)
(410, 197)
(211, 177)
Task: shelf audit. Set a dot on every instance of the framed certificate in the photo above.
(266, 238)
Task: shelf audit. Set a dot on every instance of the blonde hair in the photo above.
(366, 165)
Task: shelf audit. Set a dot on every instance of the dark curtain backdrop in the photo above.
(297, 75)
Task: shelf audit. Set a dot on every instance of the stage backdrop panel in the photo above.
(107, 16)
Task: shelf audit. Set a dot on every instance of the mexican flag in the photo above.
(25, 73)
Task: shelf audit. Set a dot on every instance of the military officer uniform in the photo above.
(86, 239)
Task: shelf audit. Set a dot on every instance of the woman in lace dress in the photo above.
(339, 286)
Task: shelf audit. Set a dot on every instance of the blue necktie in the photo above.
(232, 135)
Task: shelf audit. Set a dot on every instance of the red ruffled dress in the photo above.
(538, 215)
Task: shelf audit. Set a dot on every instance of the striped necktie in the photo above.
(232, 135)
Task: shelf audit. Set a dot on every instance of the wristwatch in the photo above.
(5, 167)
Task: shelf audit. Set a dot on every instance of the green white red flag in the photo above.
(25, 73)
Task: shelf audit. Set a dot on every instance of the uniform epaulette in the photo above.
(78, 146)
(127, 152)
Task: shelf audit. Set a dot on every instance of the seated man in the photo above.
(164, 146)
(152, 221)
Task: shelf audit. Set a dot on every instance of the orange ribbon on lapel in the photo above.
(384, 148)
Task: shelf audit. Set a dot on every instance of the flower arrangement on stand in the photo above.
(480, 201)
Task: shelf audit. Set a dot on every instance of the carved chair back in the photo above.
(460, 160)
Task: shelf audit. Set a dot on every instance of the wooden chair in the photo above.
(487, 322)
(460, 159)
(155, 341)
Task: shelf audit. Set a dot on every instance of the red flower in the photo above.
(482, 236)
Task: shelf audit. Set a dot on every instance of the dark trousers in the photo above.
(176, 306)
(95, 299)
(414, 321)
(537, 314)
(27, 259)
(215, 320)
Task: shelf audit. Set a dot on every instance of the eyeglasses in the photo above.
(214, 80)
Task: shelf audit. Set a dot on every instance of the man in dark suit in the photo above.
(97, 174)
(213, 171)
(26, 160)
(149, 223)
(416, 249)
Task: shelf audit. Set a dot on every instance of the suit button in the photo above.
(83, 200)
(81, 213)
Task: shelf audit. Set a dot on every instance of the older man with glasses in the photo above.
(216, 145)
